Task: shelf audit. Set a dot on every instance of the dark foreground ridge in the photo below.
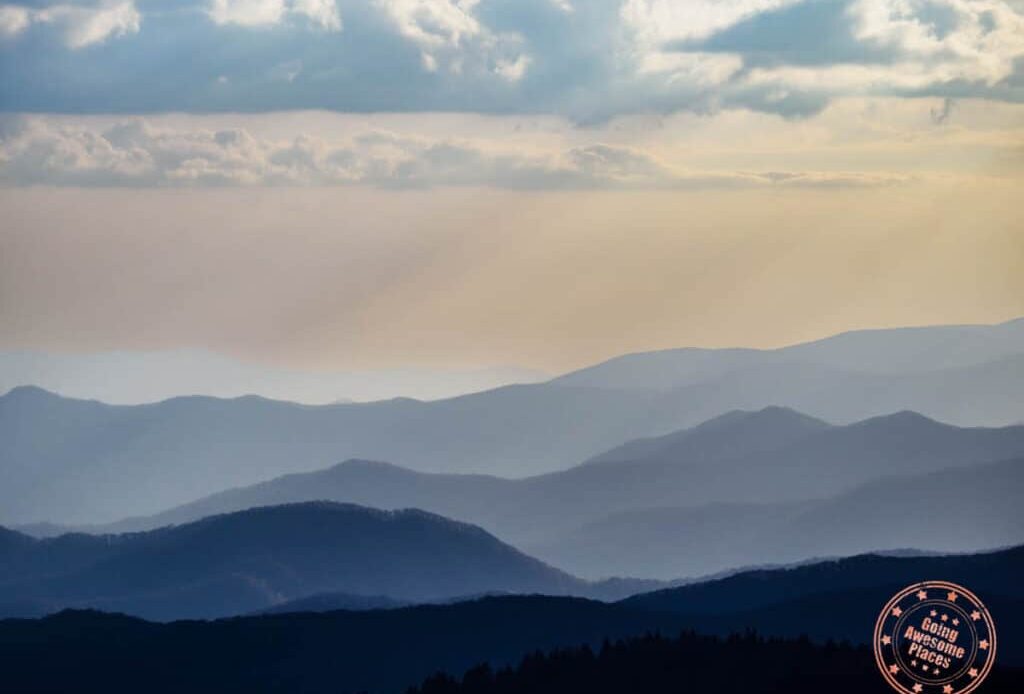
(377, 651)
(385, 651)
(655, 664)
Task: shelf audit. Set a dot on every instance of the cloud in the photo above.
(323, 13)
(80, 25)
(844, 47)
(36, 150)
(14, 20)
(513, 70)
(449, 35)
(251, 13)
(660, 21)
(262, 13)
(433, 23)
(590, 62)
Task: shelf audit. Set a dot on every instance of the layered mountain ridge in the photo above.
(74, 461)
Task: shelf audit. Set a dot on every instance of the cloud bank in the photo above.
(587, 61)
(36, 150)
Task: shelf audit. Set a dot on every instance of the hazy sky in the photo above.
(467, 186)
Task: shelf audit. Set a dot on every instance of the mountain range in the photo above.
(745, 488)
(250, 560)
(884, 351)
(75, 461)
(960, 509)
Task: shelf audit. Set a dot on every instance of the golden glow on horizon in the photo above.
(357, 278)
(912, 218)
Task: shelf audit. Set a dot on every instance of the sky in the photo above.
(323, 200)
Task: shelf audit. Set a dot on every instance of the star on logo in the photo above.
(933, 613)
(917, 688)
(896, 611)
(973, 672)
(975, 615)
(925, 668)
(894, 669)
(886, 640)
(983, 644)
(921, 595)
(913, 663)
(952, 596)
(945, 618)
(948, 689)
(956, 622)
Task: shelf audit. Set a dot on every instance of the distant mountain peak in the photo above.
(766, 428)
(30, 392)
(366, 464)
(772, 414)
(901, 418)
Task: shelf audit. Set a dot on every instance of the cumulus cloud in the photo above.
(433, 23)
(323, 13)
(589, 61)
(247, 12)
(81, 25)
(512, 70)
(844, 47)
(262, 13)
(657, 22)
(449, 34)
(14, 20)
(37, 150)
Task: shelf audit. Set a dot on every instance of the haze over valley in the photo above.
(176, 451)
